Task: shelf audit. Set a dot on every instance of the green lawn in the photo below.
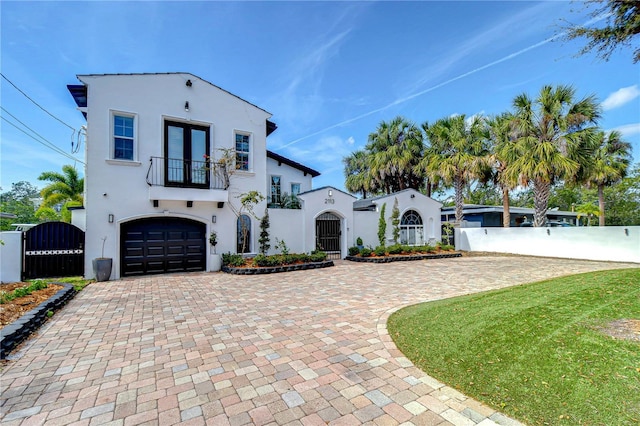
(534, 352)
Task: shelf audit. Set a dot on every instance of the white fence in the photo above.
(10, 256)
(609, 243)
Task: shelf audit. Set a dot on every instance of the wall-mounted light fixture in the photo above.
(548, 231)
(330, 193)
(155, 203)
(110, 218)
(413, 195)
(485, 231)
(214, 219)
(189, 204)
(186, 106)
(189, 83)
(626, 231)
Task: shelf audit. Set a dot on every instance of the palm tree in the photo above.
(64, 188)
(356, 172)
(502, 135)
(457, 153)
(553, 142)
(609, 165)
(396, 149)
(589, 210)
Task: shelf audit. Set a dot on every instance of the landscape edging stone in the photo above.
(16, 332)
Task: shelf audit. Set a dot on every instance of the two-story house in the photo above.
(155, 188)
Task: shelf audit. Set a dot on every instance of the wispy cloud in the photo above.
(621, 97)
(327, 153)
(482, 43)
(629, 130)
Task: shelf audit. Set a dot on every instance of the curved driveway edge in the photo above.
(301, 348)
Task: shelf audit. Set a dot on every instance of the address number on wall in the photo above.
(329, 201)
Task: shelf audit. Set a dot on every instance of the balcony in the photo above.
(178, 179)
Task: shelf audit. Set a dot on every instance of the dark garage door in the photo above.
(160, 245)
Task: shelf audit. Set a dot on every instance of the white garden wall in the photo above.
(287, 225)
(610, 243)
(11, 256)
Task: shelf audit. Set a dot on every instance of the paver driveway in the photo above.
(297, 348)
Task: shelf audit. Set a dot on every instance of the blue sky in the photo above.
(329, 72)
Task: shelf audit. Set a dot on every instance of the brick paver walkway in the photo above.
(300, 348)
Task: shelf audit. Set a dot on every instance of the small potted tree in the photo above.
(102, 265)
(216, 259)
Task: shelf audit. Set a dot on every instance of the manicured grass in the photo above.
(78, 282)
(535, 352)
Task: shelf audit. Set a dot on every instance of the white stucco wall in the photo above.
(366, 227)
(319, 201)
(287, 225)
(288, 176)
(120, 187)
(609, 243)
(366, 222)
(11, 256)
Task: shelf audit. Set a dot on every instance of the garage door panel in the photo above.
(160, 245)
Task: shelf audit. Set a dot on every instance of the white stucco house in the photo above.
(154, 193)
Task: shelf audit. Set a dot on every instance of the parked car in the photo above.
(548, 224)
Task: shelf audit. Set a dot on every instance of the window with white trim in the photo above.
(123, 137)
(276, 190)
(411, 229)
(243, 152)
(295, 189)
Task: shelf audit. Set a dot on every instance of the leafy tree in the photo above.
(587, 210)
(608, 166)
(66, 189)
(19, 202)
(622, 200)
(622, 25)
(457, 153)
(554, 141)
(382, 226)
(264, 233)
(395, 221)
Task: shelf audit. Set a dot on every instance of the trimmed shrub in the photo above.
(232, 259)
(366, 252)
(354, 251)
(395, 249)
(380, 251)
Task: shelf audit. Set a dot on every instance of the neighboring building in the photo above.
(154, 191)
(491, 216)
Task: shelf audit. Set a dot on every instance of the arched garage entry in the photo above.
(328, 234)
(159, 245)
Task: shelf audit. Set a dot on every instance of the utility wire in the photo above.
(37, 104)
(44, 141)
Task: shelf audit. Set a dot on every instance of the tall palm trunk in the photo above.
(458, 185)
(506, 216)
(541, 192)
(601, 204)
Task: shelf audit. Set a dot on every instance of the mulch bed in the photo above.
(402, 257)
(249, 269)
(11, 311)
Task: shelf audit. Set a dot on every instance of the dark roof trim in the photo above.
(79, 93)
(280, 159)
(271, 127)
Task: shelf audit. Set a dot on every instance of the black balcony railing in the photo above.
(182, 173)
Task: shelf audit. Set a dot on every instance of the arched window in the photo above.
(411, 229)
(243, 234)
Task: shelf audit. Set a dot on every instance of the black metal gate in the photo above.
(53, 249)
(328, 235)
